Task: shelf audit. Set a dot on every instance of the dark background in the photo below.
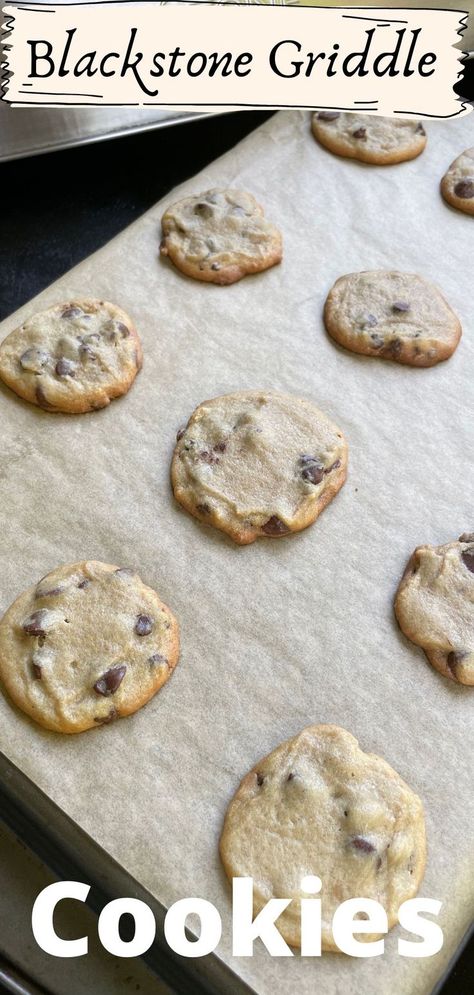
(59, 208)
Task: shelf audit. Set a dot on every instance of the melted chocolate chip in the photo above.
(203, 210)
(260, 780)
(328, 115)
(42, 400)
(34, 359)
(360, 134)
(110, 681)
(104, 720)
(362, 844)
(312, 469)
(34, 624)
(157, 660)
(143, 625)
(122, 328)
(220, 447)
(464, 189)
(36, 671)
(64, 368)
(71, 312)
(215, 266)
(203, 509)
(83, 583)
(401, 306)
(467, 556)
(275, 527)
(291, 776)
(420, 129)
(334, 466)
(47, 592)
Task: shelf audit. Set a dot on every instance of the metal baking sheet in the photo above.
(275, 635)
(26, 131)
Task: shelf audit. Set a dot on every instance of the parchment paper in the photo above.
(282, 633)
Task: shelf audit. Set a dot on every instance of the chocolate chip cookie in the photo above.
(457, 185)
(381, 141)
(397, 316)
(220, 236)
(74, 357)
(318, 805)
(88, 644)
(258, 463)
(434, 606)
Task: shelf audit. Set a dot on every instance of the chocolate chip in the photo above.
(377, 341)
(467, 537)
(71, 312)
(291, 776)
(220, 447)
(328, 115)
(401, 306)
(370, 321)
(179, 434)
(203, 509)
(452, 661)
(83, 583)
(260, 780)
(157, 660)
(393, 348)
(334, 466)
(312, 469)
(104, 720)
(215, 266)
(122, 328)
(464, 189)
(34, 359)
(204, 210)
(143, 625)
(362, 844)
(420, 129)
(42, 400)
(110, 681)
(34, 625)
(360, 133)
(208, 457)
(467, 557)
(86, 352)
(47, 592)
(36, 671)
(64, 368)
(275, 527)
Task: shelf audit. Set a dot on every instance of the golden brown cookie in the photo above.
(88, 644)
(434, 606)
(220, 236)
(258, 463)
(318, 805)
(381, 141)
(457, 185)
(75, 357)
(397, 316)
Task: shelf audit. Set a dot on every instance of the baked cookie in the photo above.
(318, 805)
(258, 463)
(381, 141)
(74, 357)
(457, 185)
(220, 236)
(434, 606)
(88, 644)
(398, 316)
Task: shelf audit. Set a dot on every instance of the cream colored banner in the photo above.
(178, 55)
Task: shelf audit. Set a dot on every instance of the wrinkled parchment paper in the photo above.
(282, 633)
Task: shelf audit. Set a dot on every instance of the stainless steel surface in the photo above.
(26, 131)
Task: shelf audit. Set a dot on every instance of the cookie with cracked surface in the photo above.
(258, 463)
(398, 316)
(220, 236)
(88, 644)
(381, 141)
(74, 357)
(434, 606)
(457, 185)
(318, 805)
